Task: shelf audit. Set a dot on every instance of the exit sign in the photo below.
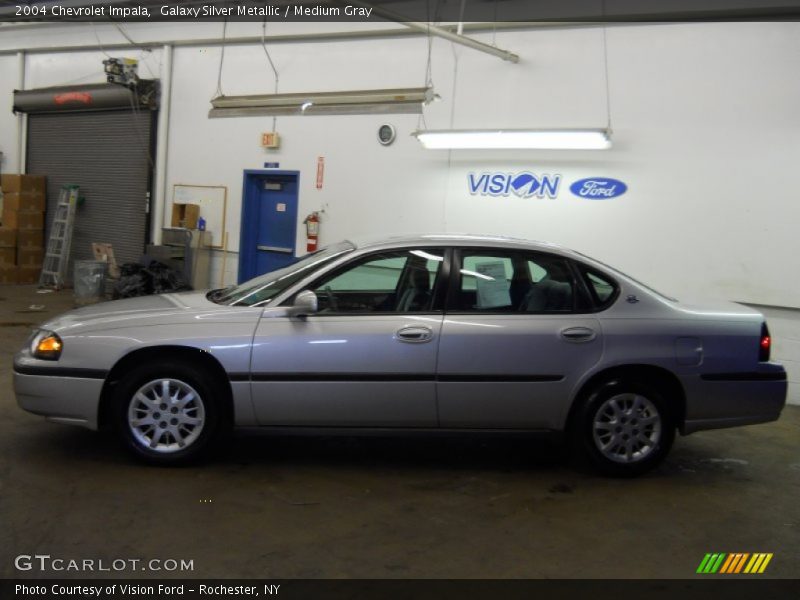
(270, 139)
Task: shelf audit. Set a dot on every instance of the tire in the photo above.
(624, 428)
(168, 413)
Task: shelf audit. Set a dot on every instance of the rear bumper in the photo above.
(62, 397)
(719, 400)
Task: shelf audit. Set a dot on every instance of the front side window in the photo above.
(514, 282)
(262, 289)
(388, 282)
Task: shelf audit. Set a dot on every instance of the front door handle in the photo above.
(414, 334)
(578, 334)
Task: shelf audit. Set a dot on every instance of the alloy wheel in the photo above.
(627, 428)
(166, 415)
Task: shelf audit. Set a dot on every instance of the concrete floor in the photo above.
(388, 508)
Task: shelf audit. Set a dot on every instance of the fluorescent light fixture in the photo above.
(357, 102)
(476, 274)
(427, 255)
(515, 139)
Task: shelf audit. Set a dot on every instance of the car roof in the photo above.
(455, 239)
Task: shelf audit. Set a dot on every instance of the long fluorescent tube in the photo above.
(390, 101)
(515, 139)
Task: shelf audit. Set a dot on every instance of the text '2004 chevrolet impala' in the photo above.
(431, 333)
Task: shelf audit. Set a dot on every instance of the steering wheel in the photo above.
(333, 304)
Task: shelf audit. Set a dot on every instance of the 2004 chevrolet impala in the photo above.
(431, 333)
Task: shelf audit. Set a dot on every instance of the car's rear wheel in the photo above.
(167, 414)
(624, 428)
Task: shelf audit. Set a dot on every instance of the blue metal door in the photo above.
(269, 222)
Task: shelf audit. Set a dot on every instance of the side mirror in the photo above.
(305, 303)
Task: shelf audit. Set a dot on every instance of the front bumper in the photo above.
(719, 400)
(61, 395)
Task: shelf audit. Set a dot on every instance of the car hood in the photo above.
(162, 309)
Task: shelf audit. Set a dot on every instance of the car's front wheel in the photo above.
(168, 413)
(624, 428)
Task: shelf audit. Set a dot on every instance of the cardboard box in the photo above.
(8, 275)
(23, 201)
(36, 184)
(8, 237)
(185, 215)
(28, 274)
(30, 238)
(8, 257)
(30, 257)
(105, 252)
(23, 219)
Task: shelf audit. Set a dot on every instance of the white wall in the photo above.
(367, 187)
(701, 117)
(9, 76)
(705, 127)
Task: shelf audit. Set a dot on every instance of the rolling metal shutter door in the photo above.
(106, 154)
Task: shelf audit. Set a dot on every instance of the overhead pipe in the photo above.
(463, 40)
(297, 38)
(446, 34)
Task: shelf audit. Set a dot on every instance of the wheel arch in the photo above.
(192, 356)
(663, 379)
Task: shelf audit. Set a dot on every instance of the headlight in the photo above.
(46, 345)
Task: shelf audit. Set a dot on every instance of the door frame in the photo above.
(248, 232)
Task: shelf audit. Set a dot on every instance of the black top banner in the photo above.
(425, 11)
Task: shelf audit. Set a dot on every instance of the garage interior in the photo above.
(703, 122)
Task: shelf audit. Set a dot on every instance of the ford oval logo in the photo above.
(598, 188)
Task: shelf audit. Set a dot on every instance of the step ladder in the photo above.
(56, 259)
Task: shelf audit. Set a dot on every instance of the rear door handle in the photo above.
(414, 334)
(578, 334)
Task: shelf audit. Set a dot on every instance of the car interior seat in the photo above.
(417, 292)
(553, 293)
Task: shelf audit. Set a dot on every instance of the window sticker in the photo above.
(492, 285)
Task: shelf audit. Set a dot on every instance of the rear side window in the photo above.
(602, 289)
(513, 281)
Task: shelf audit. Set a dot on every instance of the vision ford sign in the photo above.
(524, 184)
(598, 188)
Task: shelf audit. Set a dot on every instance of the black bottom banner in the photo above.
(387, 589)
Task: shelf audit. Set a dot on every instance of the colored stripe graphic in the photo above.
(734, 563)
(765, 563)
(715, 566)
(711, 563)
(703, 563)
(728, 563)
(741, 562)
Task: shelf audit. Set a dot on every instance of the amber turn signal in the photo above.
(47, 346)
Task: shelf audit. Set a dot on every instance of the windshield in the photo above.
(265, 287)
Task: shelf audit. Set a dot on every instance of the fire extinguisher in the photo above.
(312, 231)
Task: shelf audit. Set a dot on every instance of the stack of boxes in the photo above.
(22, 228)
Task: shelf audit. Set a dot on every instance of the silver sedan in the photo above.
(430, 333)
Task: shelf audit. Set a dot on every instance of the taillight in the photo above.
(765, 345)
